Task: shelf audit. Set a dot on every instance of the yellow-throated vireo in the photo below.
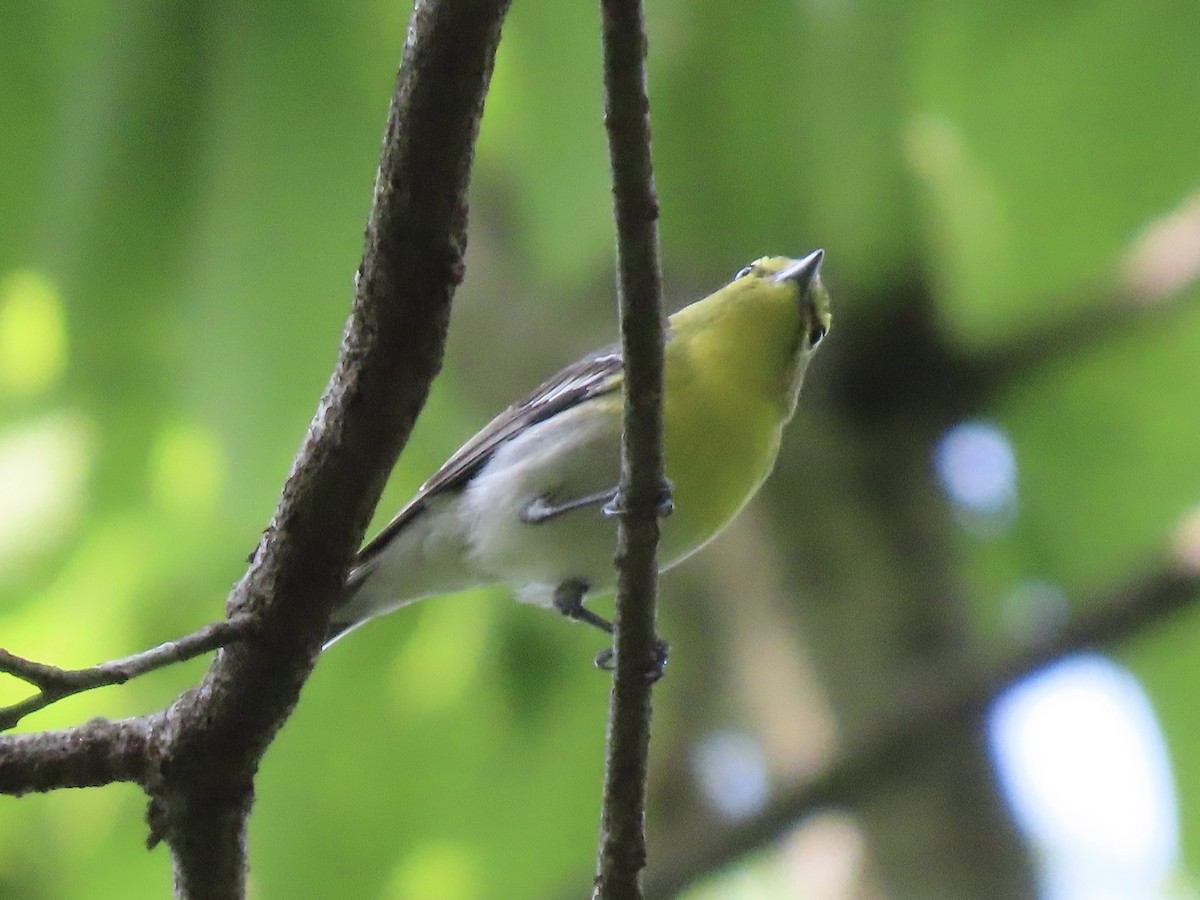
(523, 502)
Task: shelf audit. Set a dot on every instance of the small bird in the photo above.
(523, 502)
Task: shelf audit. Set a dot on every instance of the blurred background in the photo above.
(1001, 435)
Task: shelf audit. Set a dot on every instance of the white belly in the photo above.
(562, 459)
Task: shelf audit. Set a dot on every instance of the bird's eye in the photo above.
(816, 334)
(743, 272)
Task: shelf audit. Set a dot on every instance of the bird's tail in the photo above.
(422, 558)
(346, 616)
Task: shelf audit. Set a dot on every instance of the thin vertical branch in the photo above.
(622, 854)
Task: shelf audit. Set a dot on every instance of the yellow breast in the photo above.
(726, 399)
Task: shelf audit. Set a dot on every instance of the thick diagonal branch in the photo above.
(391, 350)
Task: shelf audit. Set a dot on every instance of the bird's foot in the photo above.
(606, 660)
(665, 506)
(568, 600)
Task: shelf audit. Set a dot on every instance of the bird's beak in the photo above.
(803, 271)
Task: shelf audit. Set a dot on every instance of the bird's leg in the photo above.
(540, 509)
(666, 503)
(568, 600)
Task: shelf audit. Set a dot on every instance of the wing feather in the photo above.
(593, 375)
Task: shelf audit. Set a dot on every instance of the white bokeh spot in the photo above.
(1084, 766)
(977, 468)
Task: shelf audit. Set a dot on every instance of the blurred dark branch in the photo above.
(1153, 282)
(1081, 330)
(902, 744)
(622, 853)
(95, 753)
(208, 744)
(54, 684)
(1159, 268)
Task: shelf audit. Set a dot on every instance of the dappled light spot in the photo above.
(969, 225)
(977, 469)
(732, 773)
(86, 614)
(43, 465)
(825, 855)
(1186, 542)
(441, 870)
(187, 468)
(1165, 257)
(33, 334)
(441, 658)
(1084, 767)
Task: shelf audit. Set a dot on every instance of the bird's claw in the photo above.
(606, 660)
(664, 507)
(666, 498)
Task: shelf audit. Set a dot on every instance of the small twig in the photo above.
(54, 684)
(622, 852)
(904, 741)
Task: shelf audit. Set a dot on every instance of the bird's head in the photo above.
(799, 280)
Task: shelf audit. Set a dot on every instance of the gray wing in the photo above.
(596, 374)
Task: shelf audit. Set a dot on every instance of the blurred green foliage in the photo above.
(183, 188)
